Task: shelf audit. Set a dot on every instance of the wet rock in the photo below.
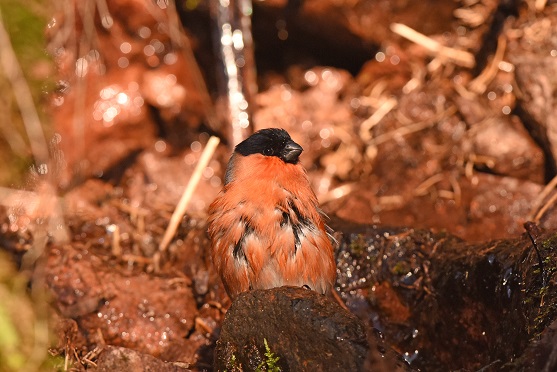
(84, 200)
(133, 81)
(116, 307)
(303, 329)
(532, 51)
(509, 150)
(122, 359)
(446, 304)
(541, 354)
(500, 143)
(167, 176)
(486, 207)
(196, 350)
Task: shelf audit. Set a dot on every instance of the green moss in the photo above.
(270, 362)
(358, 245)
(25, 21)
(232, 365)
(549, 243)
(23, 319)
(401, 268)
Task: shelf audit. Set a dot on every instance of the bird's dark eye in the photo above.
(268, 151)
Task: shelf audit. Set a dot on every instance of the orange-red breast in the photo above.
(265, 226)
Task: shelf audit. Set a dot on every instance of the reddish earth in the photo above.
(394, 135)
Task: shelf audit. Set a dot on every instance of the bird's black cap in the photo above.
(271, 142)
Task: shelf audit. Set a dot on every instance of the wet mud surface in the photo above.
(428, 161)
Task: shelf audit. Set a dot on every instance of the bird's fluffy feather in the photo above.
(267, 230)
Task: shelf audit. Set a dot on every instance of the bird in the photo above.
(265, 225)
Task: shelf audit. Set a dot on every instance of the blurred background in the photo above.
(434, 114)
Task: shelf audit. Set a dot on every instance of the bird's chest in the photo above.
(275, 221)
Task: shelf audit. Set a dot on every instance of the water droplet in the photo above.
(149, 50)
(306, 125)
(195, 146)
(144, 32)
(215, 181)
(324, 133)
(208, 172)
(122, 98)
(491, 259)
(56, 138)
(125, 47)
(409, 357)
(159, 47)
(58, 101)
(243, 104)
(107, 21)
(160, 146)
(138, 101)
(505, 66)
(189, 159)
(81, 67)
(170, 58)
(282, 34)
(123, 62)
(285, 94)
(42, 169)
(170, 79)
(93, 55)
(238, 39)
(311, 77)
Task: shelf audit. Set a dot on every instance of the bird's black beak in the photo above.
(291, 152)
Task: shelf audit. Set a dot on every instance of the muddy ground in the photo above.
(434, 151)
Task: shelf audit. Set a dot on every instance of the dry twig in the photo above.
(412, 128)
(423, 187)
(459, 57)
(337, 193)
(535, 211)
(188, 192)
(386, 106)
(545, 207)
(540, 5)
(479, 84)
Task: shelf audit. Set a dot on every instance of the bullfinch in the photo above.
(265, 225)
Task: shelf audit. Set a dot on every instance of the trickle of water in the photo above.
(409, 357)
(235, 48)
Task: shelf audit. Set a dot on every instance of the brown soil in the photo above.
(458, 140)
